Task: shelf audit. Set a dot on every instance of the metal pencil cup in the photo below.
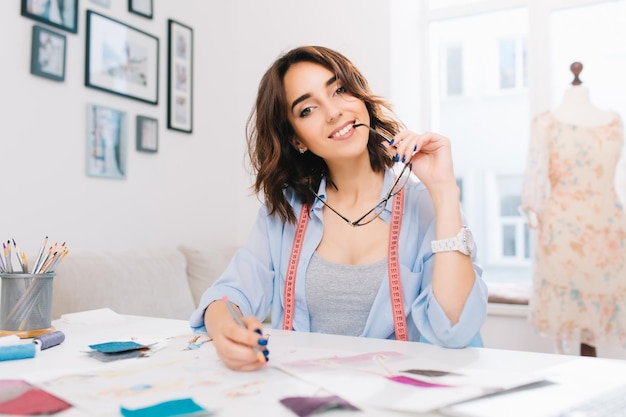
(25, 303)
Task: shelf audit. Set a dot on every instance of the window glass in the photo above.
(510, 198)
(508, 241)
(454, 70)
(507, 63)
(488, 125)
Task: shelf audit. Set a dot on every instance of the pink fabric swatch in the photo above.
(33, 401)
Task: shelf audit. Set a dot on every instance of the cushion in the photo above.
(147, 282)
(204, 266)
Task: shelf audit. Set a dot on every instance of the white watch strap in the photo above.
(462, 242)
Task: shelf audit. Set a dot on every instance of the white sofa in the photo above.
(161, 283)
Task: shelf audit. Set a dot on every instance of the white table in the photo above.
(171, 370)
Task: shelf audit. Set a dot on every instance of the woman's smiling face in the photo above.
(322, 113)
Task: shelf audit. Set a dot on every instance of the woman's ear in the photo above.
(298, 145)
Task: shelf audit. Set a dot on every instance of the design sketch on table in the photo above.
(174, 371)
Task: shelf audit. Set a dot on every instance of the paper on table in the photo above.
(175, 372)
(101, 315)
(571, 385)
(365, 379)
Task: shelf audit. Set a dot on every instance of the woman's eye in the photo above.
(305, 112)
(340, 90)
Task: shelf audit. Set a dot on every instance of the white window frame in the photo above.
(497, 222)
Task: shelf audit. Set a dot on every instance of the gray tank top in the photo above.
(340, 297)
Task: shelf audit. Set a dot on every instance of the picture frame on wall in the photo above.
(48, 54)
(147, 129)
(121, 59)
(106, 142)
(180, 77)
(58, 14)
(141, 7)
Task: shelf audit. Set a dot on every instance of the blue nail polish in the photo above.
(396, 158)
(263, 342)
(258, 331)
(414, 148)
(392, 142)
(403, 158)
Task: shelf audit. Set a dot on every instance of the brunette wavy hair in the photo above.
(275, 161)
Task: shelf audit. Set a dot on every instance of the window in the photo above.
(486, 69)
(483, 123)
(454, 70)
(513, 72)
(514, 237)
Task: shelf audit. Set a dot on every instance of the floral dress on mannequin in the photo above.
(570, 198)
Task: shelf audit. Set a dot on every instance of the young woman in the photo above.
(347, 241)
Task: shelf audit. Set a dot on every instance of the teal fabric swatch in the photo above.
(113, 347)
(183, 407)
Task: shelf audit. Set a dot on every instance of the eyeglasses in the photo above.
(372, 214)
(389, 141)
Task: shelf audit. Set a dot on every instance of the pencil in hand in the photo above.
(233, 313)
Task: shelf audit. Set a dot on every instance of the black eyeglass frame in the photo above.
(390, 194)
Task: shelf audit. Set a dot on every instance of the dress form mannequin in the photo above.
(569, 197)
(576, 107)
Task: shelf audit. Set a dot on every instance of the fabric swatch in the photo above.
(182, 407)
(415, 382)
(430, 372)
(21, 399)
(306, 406)
(115, 347)
(116, 356)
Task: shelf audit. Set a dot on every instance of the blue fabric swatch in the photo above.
(183, 407)
(114, 347)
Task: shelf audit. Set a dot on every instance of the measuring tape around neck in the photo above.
(393, 265)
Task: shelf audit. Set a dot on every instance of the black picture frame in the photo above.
(180, 77)
(106, 142)
(48, 51)
(141, 7)
(65, 16)
(147, 132)
(121, 59)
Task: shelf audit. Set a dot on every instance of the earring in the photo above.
(301, 150)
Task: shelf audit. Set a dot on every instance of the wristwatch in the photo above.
(463, 242)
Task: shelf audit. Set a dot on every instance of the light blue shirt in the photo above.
(255, 278)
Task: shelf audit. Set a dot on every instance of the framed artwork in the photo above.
(59, 14)
(106, 142)
(141, 7)
(147, 134)
(47, 58)
(105, 3)
(180, 77)
(121, 59)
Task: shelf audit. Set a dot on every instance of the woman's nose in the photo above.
(333, 111)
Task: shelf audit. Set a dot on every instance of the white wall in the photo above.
(195, 190)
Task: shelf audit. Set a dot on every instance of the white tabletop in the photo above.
(172, 372)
